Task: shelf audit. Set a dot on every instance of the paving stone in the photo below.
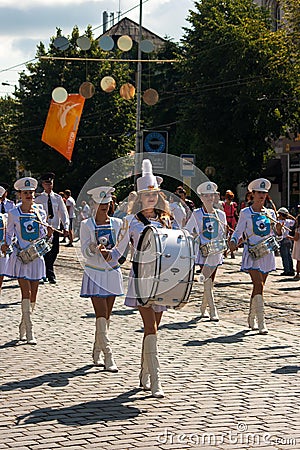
(220, 379)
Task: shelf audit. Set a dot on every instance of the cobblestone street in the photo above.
(226, 387)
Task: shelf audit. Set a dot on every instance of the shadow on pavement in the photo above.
(286, 370)
(58, 379)
(231, 283)
(181, 325)
(274, 347)
(85, 413)
(231, 339)
(9, 344)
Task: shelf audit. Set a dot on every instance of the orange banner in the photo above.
(62, 124)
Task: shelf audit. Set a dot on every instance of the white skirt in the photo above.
(3, 265)
(98, 282)
(33, 271)
(265, 264)
(131, 296)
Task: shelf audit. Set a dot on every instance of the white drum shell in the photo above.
(173, 269)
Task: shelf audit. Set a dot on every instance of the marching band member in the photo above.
(257, 223)
(5, 203)
(3, 257)
(102, 281)
(208, 225)
(149, 207)
(26, 223)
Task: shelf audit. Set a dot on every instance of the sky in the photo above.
(26, 23)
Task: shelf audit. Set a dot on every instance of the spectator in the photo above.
(284, 224)
(230, 209)
(5, 204)
(177, 211)
(85, 210)
(70, 204)
(57, 214)
(296, 248)
(247, 201)
(186, 202)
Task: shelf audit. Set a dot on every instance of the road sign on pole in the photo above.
(155, 147)
(187, 166)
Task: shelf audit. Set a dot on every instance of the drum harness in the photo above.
(16, 244)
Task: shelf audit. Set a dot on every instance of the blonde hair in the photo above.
(162, 207)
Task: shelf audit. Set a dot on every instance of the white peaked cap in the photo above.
(101, 194)
(2, 191)
(26, 184)
(260, 184)
(208, 187)
(148, 181)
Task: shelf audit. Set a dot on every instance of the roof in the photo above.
(129, 27)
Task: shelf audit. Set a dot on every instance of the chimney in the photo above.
(112, 18)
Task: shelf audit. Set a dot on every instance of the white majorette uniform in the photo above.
(26, 229)
(207, 227)
(3, 257)
(256, 227)
(131, 231)
(101, 278)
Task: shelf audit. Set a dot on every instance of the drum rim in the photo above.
(135, 264)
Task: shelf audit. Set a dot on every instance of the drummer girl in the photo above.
(208, 225)
(257, 223)
(102, 281)
(149, 207)
(26, 223)
(3, 257)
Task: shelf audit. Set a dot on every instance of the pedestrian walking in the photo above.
(102, 280)
(208, 225)
(57, 214)
(28, 226)
(257, 224)
(149, 208)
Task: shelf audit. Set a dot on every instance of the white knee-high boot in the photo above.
(97, 352)
(208, 294)
(26, 318)
(204, 305)
(22, 327)
(144, 372)
(262, 328)
(150, 344)
(252, 322)
(102, 333)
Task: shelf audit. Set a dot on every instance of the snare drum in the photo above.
(213, 247)
(164, 267)
(34, 250)
(264, 247)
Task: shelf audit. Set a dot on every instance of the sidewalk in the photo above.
(226, 387)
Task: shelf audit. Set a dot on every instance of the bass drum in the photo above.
(164, 267)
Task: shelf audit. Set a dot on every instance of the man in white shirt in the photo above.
(70, 204)
(56, 214)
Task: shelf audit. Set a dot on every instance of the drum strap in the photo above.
(143, 219)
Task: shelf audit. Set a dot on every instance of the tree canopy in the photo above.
(239, 88)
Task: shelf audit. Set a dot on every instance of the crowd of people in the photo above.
(30, 232)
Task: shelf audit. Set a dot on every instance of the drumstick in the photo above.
(44, 225)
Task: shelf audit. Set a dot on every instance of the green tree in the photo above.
(240, 88)
(107, 125)
(8, 117)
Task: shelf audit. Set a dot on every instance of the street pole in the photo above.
(138, 138)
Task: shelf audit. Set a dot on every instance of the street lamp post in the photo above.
(139, 86)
